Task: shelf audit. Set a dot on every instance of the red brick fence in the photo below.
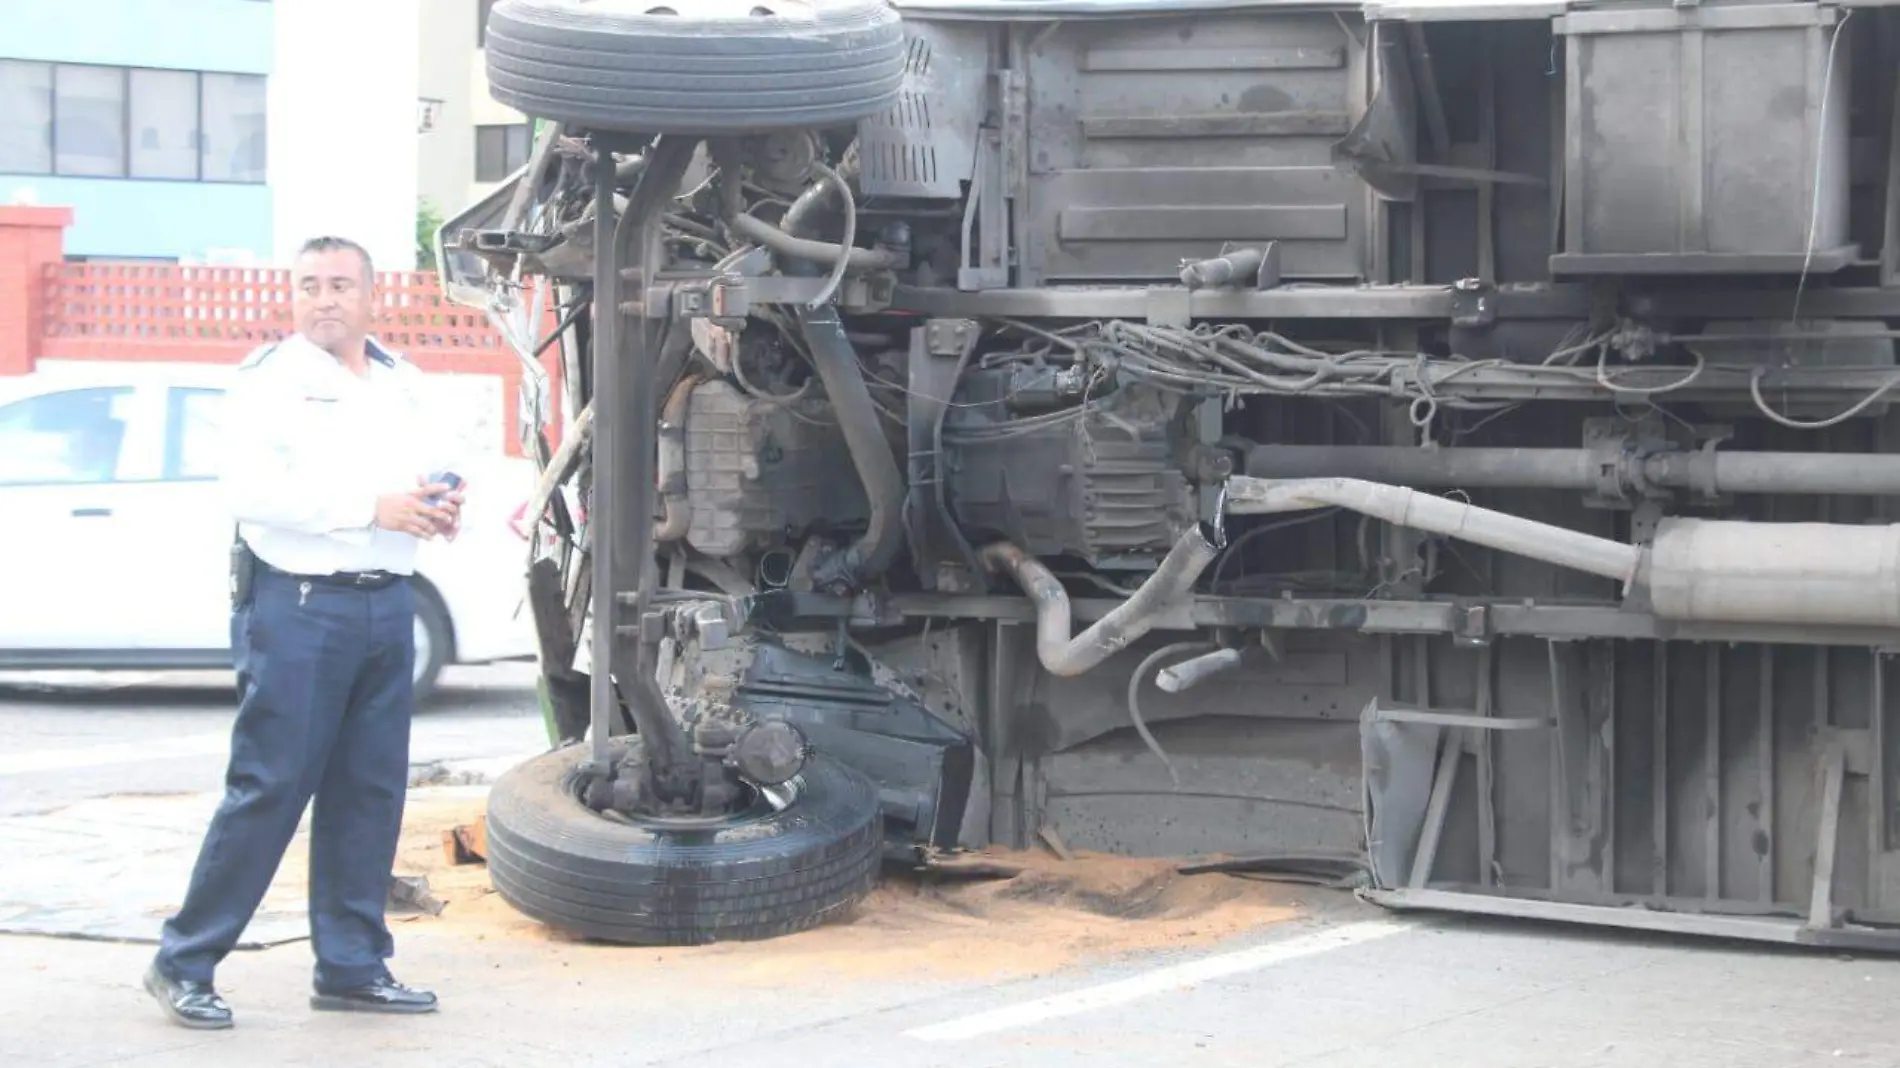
(133, 312)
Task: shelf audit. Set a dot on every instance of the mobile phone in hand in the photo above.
(444, 478)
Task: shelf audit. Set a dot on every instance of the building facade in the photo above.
(213, 131)
(149, 120)
(473, 143)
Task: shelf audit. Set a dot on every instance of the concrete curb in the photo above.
(479, 772)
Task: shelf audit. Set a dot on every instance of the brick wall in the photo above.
(146, 313)
(30, 240)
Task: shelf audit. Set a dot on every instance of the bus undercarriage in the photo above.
(1453, 439)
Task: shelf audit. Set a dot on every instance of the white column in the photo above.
(343, 117)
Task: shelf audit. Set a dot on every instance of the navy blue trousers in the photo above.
(324, 710)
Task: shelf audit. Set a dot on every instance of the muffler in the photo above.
(1696, 570)
(1727, 571)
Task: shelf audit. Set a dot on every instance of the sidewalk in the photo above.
(112, 868)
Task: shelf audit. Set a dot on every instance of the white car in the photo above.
(115, 549)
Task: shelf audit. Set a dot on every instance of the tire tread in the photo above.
(557, 862)
(618, 70)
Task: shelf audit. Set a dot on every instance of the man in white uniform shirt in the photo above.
(328, 450)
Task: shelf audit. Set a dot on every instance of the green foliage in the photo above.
(428, 221)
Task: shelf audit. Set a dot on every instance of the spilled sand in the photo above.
(1052, 915)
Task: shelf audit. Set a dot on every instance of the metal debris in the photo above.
(410, 893)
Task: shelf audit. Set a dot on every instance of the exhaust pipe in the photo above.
(1422, 511)
(1696, 570)
(1065, 656)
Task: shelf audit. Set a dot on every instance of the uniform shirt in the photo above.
(308, 448)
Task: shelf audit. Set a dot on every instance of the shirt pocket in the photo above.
(318, 413)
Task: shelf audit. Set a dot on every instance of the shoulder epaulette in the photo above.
(258, 355)
(387, 357)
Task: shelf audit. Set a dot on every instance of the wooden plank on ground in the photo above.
(468, 843)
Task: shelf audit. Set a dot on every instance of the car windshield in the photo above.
(65, 437)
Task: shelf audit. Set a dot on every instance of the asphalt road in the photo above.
(68, 737)
(1343, 984)
(1346, 988)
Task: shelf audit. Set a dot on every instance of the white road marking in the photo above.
(1171, 979)
(43, 760)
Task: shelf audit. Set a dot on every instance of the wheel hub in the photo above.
(769, 753)
(745, 768)
(753, 804)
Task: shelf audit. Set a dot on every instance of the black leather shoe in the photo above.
(384, 994)
(189, 1004)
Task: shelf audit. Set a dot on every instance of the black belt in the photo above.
(354, 580)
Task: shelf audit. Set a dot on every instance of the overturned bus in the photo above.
(1448, 437)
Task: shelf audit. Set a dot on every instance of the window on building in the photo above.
(165, 133)
(89, 121)
(26, 117)
(131, 122)
(500, 150)
(118, 257)
(234, 143)
(482, 8)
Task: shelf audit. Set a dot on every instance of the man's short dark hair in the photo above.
(336, 244)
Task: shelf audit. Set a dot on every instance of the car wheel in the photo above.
(432, 644)
(786, 863)
(696, 66)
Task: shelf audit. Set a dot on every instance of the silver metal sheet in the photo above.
(925, 144)
(1157, 141)
(1462, 10)
(1399, 9)
(1666, 107)
(1033, 9)
(1281, 786)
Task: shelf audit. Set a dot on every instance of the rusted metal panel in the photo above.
(1706, 139)
(1155, 141)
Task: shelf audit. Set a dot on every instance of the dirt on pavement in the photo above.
(1052, 914)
